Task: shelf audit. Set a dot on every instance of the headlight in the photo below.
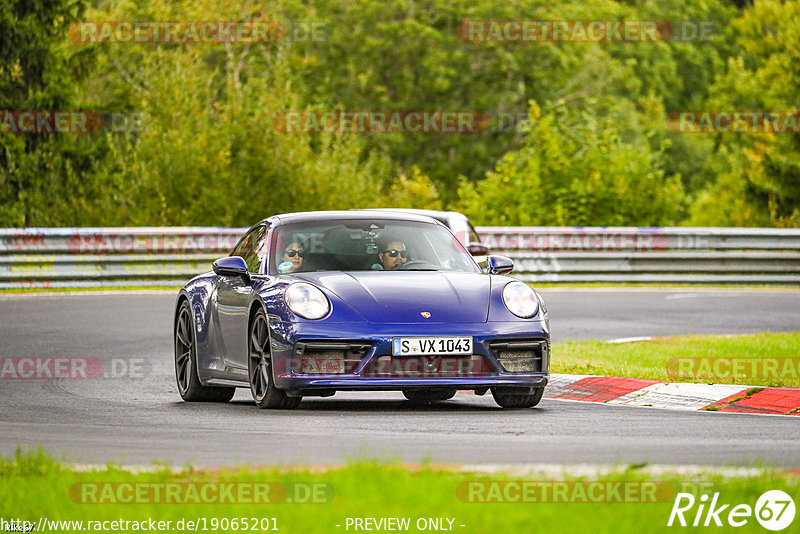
(520, 299)
(307, 301)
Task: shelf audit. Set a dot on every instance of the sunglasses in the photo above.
(394, 252)
(292, 252)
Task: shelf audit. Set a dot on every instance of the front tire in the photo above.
(189, 386)
(427, 396)
(514, 398)
(259, 368)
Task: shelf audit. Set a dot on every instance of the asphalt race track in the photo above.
(136, 416)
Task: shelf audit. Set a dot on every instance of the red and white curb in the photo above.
(675, 395)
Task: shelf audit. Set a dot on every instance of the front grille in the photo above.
(522, 356)
(328, 358)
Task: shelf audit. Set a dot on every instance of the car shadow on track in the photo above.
(334, 408)
(384, 405)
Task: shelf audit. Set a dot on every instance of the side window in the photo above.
(249, 248)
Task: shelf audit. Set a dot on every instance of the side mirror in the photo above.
(232, 266)
(477, 249)
(499, 265)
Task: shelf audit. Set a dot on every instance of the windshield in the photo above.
(367, 245)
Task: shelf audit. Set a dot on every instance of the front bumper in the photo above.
(484, 371)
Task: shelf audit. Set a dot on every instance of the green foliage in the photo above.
(758, 176)
(33, 62)
(36, 73)
(599, 153)
(226, 163)
(207, 152)
(575, 170)
(416, 191)
(406, 55)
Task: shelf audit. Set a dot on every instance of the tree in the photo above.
(407, 55)
(416, 191)
(758, 174)
(574, 170)
(37, 72)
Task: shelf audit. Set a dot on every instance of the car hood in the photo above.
(402, 297)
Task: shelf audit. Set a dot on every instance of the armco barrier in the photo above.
(624, 254)
(86, 257)
(108, 257)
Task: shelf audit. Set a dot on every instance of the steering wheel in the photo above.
(415, 264)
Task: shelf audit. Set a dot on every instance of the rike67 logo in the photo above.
(774, 510)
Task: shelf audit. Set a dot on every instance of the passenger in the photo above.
(292, 258)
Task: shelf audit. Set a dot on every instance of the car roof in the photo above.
(306, 216)
(439, 215)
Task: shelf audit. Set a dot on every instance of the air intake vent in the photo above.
(328, 358)
(522, 356)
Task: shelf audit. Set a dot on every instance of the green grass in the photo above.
(651, 359)
(33, 486)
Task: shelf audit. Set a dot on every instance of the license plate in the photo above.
(403, 346)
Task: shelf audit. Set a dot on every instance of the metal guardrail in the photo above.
(90, 257)
(110, 257)
(666, 255)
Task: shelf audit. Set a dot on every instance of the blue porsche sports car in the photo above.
(308, 304)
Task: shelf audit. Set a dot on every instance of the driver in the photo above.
(393, 254)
